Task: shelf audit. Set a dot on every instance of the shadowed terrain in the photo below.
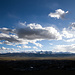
(34, 64)
(37, 66)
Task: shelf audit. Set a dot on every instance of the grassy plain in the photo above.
(36, 58)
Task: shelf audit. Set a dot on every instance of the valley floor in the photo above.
(14, 58)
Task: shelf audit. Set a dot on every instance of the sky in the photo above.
(35, 25)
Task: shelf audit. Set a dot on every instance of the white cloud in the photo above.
(3, 48)
(7, 43)
(38, 44)
(19, 46)
(51, 43)
(64, 48)
(4, 35)
(6, 30)
(30, 33)
(7, 37)
(34, 26)
(36, 31)
(7, 49)
(59, 14)
(70, 40)
(35, 47)
(24, 24)
(67, 33)
(26, 46)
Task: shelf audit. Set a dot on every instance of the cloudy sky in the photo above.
(35, 25)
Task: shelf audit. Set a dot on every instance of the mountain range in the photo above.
(38, 54)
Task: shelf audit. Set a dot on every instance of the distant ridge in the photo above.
(38, 54)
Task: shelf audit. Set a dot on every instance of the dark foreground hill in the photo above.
(38, 67)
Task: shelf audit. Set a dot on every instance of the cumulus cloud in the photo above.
(70, 40)
(59, 14)
(26, 46)
(38, 44)
(8, 50)
(6, 30)
(69, 36)
(9, 38)
(30, 33)
(19, 46)
(6, 42)
(64, 48)
(36, 31)
(4, 48)
(69, 32)
(35, 47)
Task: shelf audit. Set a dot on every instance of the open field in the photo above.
(37, 58)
